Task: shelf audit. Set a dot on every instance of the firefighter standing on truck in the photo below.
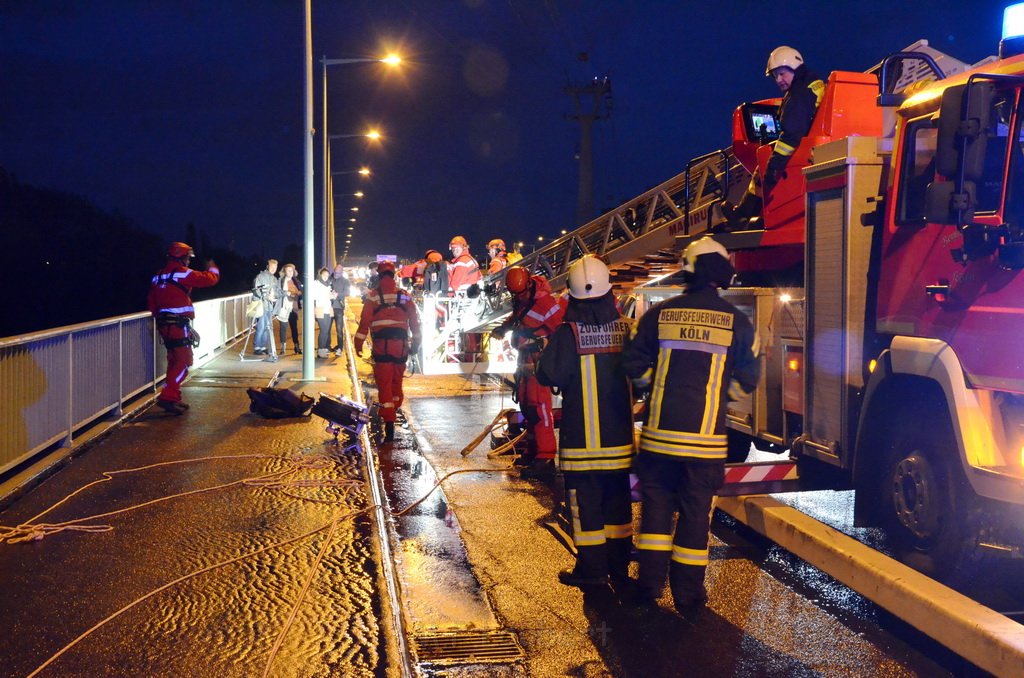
(170, 302)
(463, 270)
(584, 360)
(499, 258)
(389, 316)
(536, 314)
(802, 92)
(694, 351)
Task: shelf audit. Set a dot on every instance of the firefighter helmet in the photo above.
(517, 280)
(458, 240)
(705, 262)
(386, 268)
(432, 257)
(589, 278)
(496, 244)
(179, 250)
(783, 56)
(706, 245)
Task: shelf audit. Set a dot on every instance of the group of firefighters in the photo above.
(685, 358)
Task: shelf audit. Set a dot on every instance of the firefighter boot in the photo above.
(540, 469)
(737, 217)
(581, 580)
(389, 431)
(172, 406)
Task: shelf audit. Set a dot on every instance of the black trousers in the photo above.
(323, 340)
(667, 485)
(293, 324)
(602, 521)
(339, 326)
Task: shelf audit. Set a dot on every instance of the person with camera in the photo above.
(170, 302)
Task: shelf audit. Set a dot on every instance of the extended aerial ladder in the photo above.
(641, 239)
(637, 240)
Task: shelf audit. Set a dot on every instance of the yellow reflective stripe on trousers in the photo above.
(591, 412)
(579, 537)
(712, 394)
(648, 541)
(623, 464)
(698, 557)
(618, 531)
(664, 355)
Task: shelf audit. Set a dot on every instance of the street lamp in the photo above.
(307, 309)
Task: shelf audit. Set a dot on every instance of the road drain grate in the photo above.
(468, 647)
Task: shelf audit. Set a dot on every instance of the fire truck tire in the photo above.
(926, 502)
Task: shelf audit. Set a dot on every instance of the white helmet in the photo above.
(706, 245)
(783, 56)
(588, 278)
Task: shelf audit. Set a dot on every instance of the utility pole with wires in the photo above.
(594, 93)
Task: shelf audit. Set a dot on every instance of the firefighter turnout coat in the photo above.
(584, 359)
(170, 302)
(389, 317)
(693, 351)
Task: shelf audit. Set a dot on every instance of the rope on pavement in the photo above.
(277, 480)
(31, 530)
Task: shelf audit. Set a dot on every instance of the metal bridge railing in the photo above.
(56, 383)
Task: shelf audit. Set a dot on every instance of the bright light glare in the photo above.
(373, 134)
(354, 209)
(392, 60)
(359, 194)
(793, 365)
(1013, 21)
(365, 171)
(785, 298)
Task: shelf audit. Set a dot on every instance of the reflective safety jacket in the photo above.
(798, 109)
(498, 264)
(688, 349)
(171, 288)
(535, 316)
(585, 361)
(463, 271)
(390, 317)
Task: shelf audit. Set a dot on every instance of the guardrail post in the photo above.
(71, 389)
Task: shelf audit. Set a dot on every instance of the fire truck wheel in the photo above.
(925, 502)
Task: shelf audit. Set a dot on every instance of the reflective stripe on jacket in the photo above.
(585, 362)
(688, 349)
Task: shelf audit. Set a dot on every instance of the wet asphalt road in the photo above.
(475, 556)
(769, 614)
(283, 577)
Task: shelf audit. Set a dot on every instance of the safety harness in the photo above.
(387, 334)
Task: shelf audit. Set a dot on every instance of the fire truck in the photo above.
(883, 277)
(888, 295)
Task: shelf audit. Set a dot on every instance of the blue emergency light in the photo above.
(1013, 31)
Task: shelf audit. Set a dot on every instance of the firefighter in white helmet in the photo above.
(584, 360)
(694, 351)
(802, 92)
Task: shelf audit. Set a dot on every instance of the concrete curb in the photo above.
(975, 632)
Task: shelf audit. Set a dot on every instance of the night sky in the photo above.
(171, 112)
